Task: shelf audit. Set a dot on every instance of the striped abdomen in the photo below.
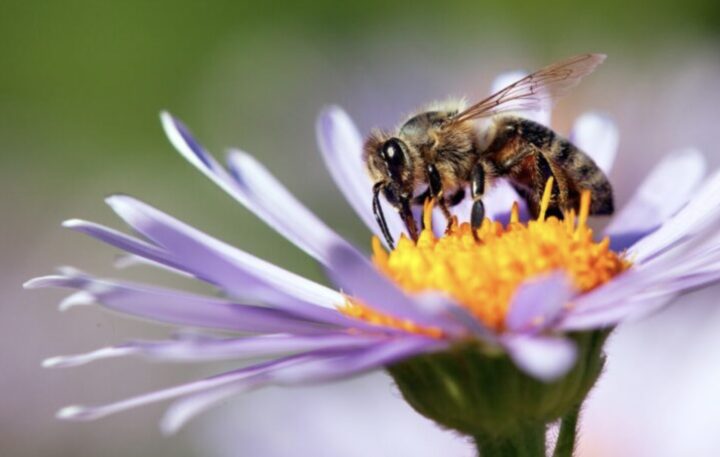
(529, 153)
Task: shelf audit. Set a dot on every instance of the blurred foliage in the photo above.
(82, 81)
(102, 69)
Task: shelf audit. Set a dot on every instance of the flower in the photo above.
(554, 295)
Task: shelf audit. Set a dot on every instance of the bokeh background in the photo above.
(82, 82)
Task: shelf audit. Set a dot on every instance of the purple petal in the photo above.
(658, 197)
(64, 361)
(499, 201)
(341, 147)
(272, 202)
(212, 349)
(346, 365)
(598, 136)
(311, 370)
(543, 357)
(610, 316)
(357, 277)
(538, 302)
(249, 375)
(256, 189)
(541, 115)
(236, 270)
(698, 215)
(124, 242)
(182, 308)
(181, 411)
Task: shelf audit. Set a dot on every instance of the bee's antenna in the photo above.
(379, 216)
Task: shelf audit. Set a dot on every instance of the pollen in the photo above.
(482, 275)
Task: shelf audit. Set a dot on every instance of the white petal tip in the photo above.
(545, 358)
(54, 362)
(40, 282)
(117, 200)
(170, 426)
(332, 110)
(73, 223)
(167, 120)
(76, 413)
(81, 298)
(32, 284)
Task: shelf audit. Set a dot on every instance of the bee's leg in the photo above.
(436, 191)
(477, 189)
(407, 217)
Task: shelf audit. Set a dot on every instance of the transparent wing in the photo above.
(548, 83)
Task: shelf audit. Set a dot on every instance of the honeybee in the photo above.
(444, 151)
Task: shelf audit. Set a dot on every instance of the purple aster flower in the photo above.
(425, 311)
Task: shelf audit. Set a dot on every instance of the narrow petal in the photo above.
(311, 370)
(598, 136)
(659, 196)
(181, 411)
(341, 147)
(345, 365)
(183, 308)
(357, 277)
(253, 187)
(237, 271)
(272, 202)
(65, 361)
(123, 242)
(610, 316)
(538, 302)
(211, 265)
(213, 349)
(249, 375)
(546, 358)
(699, 214)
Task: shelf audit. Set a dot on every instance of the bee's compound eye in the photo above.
(394, 157)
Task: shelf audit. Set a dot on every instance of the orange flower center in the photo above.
(483, 275)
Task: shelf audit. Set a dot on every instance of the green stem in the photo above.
(565, 446)
(527, 442)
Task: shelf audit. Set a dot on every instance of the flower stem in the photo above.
(568, 431)
(527, 442)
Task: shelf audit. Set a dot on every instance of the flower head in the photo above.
(534, 295)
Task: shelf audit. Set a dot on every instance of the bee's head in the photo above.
(389, 162)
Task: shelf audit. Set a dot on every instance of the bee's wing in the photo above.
(548, 83)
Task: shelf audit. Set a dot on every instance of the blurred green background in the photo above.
(82, 82)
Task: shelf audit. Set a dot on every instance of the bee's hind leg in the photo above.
(478, 177)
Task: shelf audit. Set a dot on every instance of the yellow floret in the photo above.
(483, 275)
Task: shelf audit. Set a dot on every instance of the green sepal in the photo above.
(482, 393)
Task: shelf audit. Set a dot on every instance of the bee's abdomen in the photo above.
(517, 137)
(582, 173)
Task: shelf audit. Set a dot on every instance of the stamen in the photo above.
(427, 213)
(545, 202)
(584, 208)
(515, 213)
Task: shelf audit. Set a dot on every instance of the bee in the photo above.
(442, 152)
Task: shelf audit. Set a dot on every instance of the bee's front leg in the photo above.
(436, 191)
